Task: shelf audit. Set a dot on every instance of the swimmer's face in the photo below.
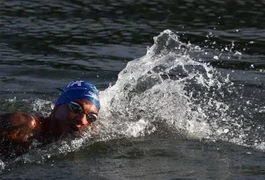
(75, 116)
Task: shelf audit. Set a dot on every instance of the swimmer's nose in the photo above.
(83, 120)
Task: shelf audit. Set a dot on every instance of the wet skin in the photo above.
(17, 130)
(67, 121)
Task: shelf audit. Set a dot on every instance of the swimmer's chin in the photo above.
(76, 130)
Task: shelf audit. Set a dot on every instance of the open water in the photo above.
(181, 86)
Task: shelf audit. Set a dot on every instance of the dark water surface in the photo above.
(188, 104)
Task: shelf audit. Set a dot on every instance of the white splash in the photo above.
(154, 88)
(2, 165)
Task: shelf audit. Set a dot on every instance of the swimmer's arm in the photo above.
(17, 129)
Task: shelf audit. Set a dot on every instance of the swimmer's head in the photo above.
(79, 90)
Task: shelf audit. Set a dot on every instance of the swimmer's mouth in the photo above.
(74, 128)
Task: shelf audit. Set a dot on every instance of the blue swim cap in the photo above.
(79, 90)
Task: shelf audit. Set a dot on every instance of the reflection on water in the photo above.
(47, 38)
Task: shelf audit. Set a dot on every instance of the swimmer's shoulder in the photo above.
(17, 119)
(17, 132)
(19, 129)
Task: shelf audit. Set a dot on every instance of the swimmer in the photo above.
(76, 109)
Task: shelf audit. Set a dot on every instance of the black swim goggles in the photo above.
(78, 109)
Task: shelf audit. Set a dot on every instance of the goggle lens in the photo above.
(78, 109)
